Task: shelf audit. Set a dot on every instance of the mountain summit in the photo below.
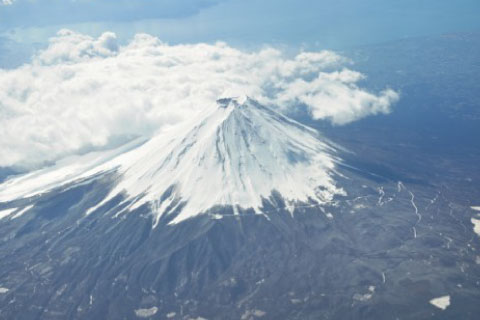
(236, 155)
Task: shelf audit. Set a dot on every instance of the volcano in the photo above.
(239, 213)
(236, 155)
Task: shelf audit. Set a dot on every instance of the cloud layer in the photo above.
(82, 92)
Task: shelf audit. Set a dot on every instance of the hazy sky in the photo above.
(321, 23)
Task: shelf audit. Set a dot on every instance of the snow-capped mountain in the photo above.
(241, 213)
(236, 154)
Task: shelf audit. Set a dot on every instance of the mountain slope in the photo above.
(237, 155)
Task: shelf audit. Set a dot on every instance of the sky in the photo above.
(324, 23)
(84, 75)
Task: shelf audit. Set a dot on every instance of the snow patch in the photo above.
(476, 225)
(7, 212)
(145, 313)
(249, 314)
(366, 296)
(21, 212)
(359, 206)
(441, 302)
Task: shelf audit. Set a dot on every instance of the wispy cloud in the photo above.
(83, 92)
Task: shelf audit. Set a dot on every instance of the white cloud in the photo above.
(6, 2)
(71, 47)
(83, 92)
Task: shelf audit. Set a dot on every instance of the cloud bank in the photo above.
(82, 92)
